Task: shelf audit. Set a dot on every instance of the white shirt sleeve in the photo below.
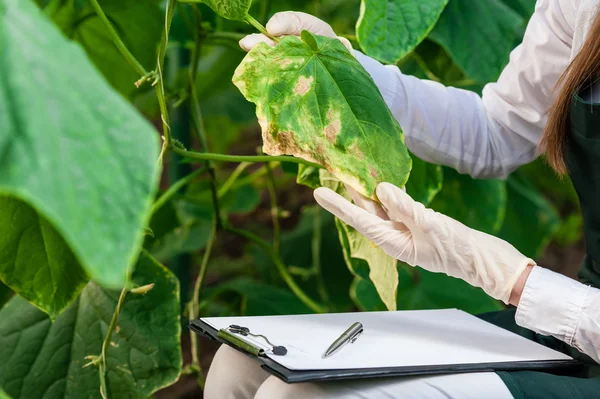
(492, 135)
(552, 304)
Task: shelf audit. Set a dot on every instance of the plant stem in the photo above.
(135, 64)
(242, 158)
(160, 61)
(193, 308)
(289, 280)
(224, 189)
(274, 208)
(172, 191)
(260, 28)
(198, 119)
(106, 343)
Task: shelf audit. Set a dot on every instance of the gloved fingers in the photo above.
(363, 221)
(400, 206)
(367, 204)
(248, 42)
(293, 23)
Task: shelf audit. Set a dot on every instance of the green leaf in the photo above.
(5, 294)
(138, 22)
(85, 160)
(308, 176)
(390, 29)
(479, 35)
(183, 239)
(315, 101)
(480, 204)
(427, 290)
(524, 7)
(41, 359)
(35, 261)
(3, 395)
(365, 296)
(530, 220)
(425, 181)
(361, 254)
(236, 10)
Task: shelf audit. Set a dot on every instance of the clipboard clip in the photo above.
(277, 350)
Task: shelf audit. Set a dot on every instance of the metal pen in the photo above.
(349, 336)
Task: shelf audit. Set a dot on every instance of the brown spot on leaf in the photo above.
(286, 62)
(333, 130)
(287, 143)
(303, 85)
(373, 172)
(354, 150)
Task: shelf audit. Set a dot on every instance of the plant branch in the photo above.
(224, 189)
(160, 61)
(172, 191)
(242, 158)
(274, 208)
(260, 28)
(198, 119)
(193, 306)
(106, 343)
(289, 280)
(135, 64)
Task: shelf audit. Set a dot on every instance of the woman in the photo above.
(548, 97)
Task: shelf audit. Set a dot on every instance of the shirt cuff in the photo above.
(551, 304)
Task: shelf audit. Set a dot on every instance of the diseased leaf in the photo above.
(479, 204)
(362, 255)
(390, 29)
(489, 21)
(315, 101)
(138, 22)
(41, 359)
(35, 261)
(71, 147)
(308, 176)
(230, 9)
(425, 181)
(530, 219)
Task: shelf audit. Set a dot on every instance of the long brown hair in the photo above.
(583, 71)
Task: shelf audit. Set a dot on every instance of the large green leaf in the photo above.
(138, 22)
(71, 147)
(231, 9)
(479, 35)
(480, 204)
(425, 181)
(35, 261)
(5, 294)
(41, 359)
(315, 101)
(362, 255)
(530, 219)
(390, 29)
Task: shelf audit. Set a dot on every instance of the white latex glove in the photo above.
(416, 235)
(291, 23)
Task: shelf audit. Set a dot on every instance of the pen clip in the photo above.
(354, 338)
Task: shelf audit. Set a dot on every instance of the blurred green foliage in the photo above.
(272, 250)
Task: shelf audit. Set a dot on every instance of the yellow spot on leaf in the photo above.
(303, 85)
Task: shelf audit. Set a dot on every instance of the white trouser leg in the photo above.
(455, 386)
(233, 375)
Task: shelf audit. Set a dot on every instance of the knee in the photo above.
(274, 388)
(233, 375)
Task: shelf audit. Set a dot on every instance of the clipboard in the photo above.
(547, 359)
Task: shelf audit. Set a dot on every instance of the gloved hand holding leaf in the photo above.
(315, 101)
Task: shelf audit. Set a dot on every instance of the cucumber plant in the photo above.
(99, 98)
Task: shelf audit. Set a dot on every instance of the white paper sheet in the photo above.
(391, 339)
